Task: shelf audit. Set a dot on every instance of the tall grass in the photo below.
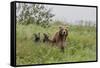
(81, 45)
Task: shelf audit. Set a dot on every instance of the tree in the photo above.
(33, 14)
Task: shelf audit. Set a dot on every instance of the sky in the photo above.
(73, 13)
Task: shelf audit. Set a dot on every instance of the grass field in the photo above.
(81, 45)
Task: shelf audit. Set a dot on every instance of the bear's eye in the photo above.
(65, 29)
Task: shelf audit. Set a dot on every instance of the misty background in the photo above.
(66, 14)
(73, 14)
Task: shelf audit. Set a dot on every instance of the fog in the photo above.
(73, 14)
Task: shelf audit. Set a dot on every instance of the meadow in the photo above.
(81, 45)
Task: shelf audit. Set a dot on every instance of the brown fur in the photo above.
(46, 37)
(60, 38)
(36, 37)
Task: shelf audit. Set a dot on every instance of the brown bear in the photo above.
(59, 38)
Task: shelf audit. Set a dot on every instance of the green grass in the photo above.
(81, 45)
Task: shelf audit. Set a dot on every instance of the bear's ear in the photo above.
(67, 28)
(60, 27)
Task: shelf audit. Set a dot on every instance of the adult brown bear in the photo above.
(59, 38)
